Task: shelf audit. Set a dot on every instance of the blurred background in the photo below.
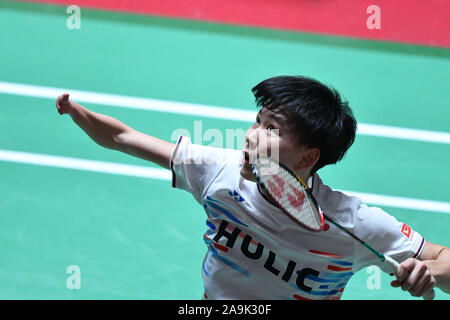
(159, 66)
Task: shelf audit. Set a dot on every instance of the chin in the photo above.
(247, 173)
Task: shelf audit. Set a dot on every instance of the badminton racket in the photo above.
(296, 200)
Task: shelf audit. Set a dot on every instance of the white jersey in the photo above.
(255, 251)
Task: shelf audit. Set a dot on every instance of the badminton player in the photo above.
(254, 250)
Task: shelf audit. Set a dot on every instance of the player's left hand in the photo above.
(415, 277)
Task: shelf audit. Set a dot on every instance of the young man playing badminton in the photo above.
(255, 249)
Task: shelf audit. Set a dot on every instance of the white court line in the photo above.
(203, 110)
(85, 165)
(163, 174)
(401, 202)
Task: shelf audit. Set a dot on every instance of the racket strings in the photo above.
(295, 199)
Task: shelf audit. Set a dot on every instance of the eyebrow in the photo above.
(274, 116)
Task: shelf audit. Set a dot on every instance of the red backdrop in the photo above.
(408, 21)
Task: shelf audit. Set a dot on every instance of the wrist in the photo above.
(74, 109)
(441, 273)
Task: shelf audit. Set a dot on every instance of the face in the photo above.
(270, 137)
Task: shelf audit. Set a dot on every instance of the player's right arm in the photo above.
(113, 134)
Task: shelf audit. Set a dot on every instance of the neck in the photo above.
(303, 176)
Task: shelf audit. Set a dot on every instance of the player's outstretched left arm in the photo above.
(417, 276)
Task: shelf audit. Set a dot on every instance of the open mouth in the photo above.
(246, 158)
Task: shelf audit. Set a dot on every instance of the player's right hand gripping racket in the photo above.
(296, 200)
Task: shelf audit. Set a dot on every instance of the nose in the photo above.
(251, 139)
(257, 143)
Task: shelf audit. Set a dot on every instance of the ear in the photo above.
(308, 158)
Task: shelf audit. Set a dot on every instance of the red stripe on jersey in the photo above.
(332, 255)
(336, 268)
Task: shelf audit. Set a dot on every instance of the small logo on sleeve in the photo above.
(406, 230)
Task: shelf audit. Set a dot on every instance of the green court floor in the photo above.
(138, 238)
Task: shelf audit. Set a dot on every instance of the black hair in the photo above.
(316, 112)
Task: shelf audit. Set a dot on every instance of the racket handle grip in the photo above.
(393, 266)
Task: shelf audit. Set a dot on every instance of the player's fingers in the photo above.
(404, 269)
(418, 288)
(414, 278)
(61, 101)
(425, 289)
(65, 98)
(423, 285)
(58, 100)
(58, 107)
(429, 295)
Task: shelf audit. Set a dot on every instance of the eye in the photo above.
(258, 120)
(273, 130)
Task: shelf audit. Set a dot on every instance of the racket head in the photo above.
(289, 192)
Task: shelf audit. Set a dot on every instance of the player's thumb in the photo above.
(395, 283)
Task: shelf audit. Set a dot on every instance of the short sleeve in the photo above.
(385, 234)
(195, 167)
